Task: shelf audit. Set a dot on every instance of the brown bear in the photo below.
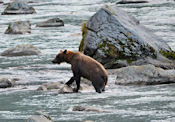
(83, 66)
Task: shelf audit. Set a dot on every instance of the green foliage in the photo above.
(84, 33)
(168, 54)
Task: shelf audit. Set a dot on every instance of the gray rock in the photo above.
(85, 85)
(143, 75)
(40, 117)
(5, 83)
(66, 89)
(1, 2)
(51, 86)
(21, 50)
(18, 7)
(116, 39)
(87, 109)
(88, 121)
(19, 27)
(132, 1)
(55, 22)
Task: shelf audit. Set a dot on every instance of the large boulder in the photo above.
(21, 50)
(5, 83)
(132, 1)
(19, 7)
(19, 27)
(117, 39)
(143, 75)
(55, 22)
(40, 117)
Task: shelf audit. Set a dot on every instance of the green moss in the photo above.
(119, 54)
(108, 49)
(84, 33)
(129, 61)
(153, 52)
(168, 54)
(112, 52)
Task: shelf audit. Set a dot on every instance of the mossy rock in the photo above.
(111, 36)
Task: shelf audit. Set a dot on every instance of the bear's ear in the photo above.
(65, 51)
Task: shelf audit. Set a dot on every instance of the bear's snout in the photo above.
(53, 61)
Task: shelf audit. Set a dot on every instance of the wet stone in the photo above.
(18, 7)
(19, 27)
(21, 50)
(132, 1)
(143, 75)
(40, 117)
(55, 22)
(5, 83)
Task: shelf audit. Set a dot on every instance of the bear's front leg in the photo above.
(77, 78)
(70, 81)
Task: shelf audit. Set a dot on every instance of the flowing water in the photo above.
(125, 103)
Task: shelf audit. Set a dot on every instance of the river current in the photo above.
(126, 103)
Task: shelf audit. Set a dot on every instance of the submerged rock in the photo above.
(21, 50)
(87, 109)
(143, 75)
(132, 1)
(55, 22)
(5, 83)
(51, 86)
(116, 39)
(40, 117)
(19, 7)
(66, 89)
(19, 27)
(62, 88)
(74, 35)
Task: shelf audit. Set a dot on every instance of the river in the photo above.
(126, 103)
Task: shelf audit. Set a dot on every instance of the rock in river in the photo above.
(5, 83)
(19, 27)
(55, 22)
(66, 89)
(143, 75)
(21, 50)
(85, 85)
(117, 39)
(19, 7)
(50, 86)
(87, 109)
(1, 1)
(40, 117)
(132, 1)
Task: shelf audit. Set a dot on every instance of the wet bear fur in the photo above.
(83, 66)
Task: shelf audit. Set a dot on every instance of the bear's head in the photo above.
(60, 57)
